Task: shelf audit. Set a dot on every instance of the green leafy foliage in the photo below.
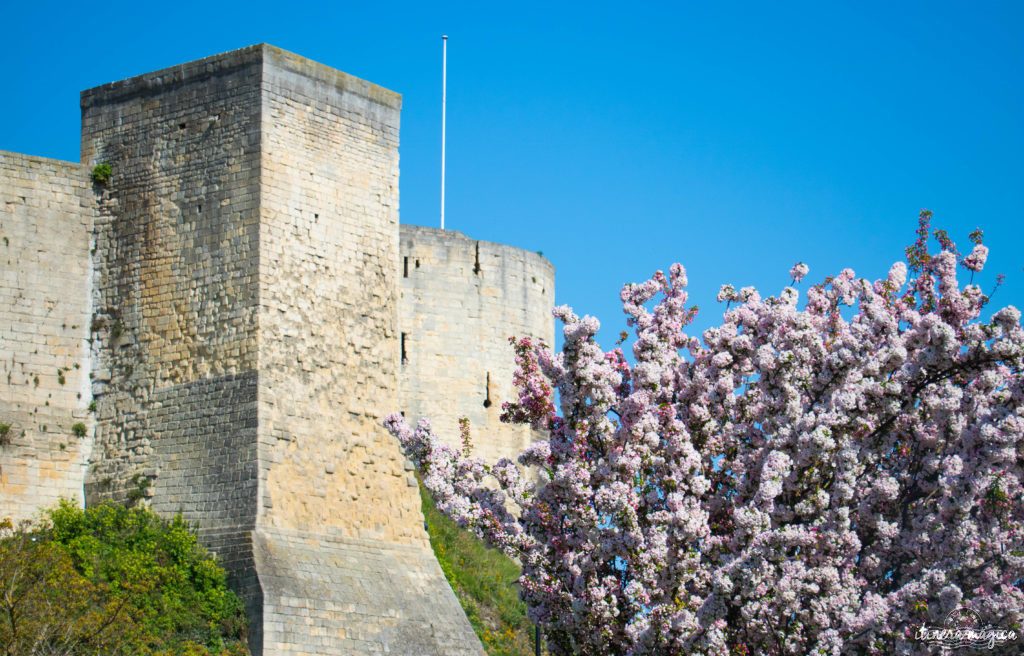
(484, 580)
(113, 580)
(101, 173)
(48, 607)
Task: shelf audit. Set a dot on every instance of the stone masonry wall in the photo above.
(461, 300)
(46, 213)
(343, 559)
(245, 344)
(175, 335)
(238, 305)
(328, 244)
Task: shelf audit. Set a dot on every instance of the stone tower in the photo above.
(220, 330)
(460, 301)
(248, 247)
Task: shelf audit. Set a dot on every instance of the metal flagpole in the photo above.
(444, 103)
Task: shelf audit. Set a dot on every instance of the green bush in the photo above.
(126, 581)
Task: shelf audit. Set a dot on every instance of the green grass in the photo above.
(484, 580)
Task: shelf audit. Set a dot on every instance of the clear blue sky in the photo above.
(734, 137)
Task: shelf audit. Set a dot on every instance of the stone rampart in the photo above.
(175, 333)
(461, 300)
(46, 212)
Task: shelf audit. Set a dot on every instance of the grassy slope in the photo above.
(484, 580)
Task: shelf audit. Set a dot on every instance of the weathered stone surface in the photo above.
(176, 299)
(246, 253)
(461, 300)
(46, 210)
(234, 296)
(328, 226)
(332, 595)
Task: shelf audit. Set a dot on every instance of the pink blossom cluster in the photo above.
(795, 481)
(798, 271)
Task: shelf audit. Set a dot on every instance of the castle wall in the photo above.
(329, 220)
(46, 212)
(344, 562)
(175, 340)
(461, 300)
(243, 308)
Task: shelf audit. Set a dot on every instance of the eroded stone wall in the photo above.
(46, 213)
(244, 335)
(344, 561)
(329, 224)
(461, 300)
(175, 334)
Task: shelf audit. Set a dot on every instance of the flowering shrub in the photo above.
(795, 482)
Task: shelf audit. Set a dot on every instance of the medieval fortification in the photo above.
(220, 329)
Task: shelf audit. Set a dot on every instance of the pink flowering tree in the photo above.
(818, 480)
